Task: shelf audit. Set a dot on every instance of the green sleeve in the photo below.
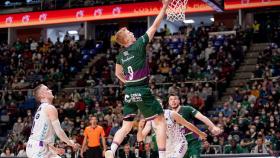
(191, 110)
(143, 40)
(141, 44)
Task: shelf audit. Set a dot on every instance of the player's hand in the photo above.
(81, 154)
(165, 2)
(76, 146)
(216, 131)
(202, 136)
(141, 124)
(60, 151)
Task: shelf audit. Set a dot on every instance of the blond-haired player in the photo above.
(132, 69)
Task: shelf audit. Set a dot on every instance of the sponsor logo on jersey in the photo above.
(135, 97)
(125, 53)
(127, 59)
(127, 98)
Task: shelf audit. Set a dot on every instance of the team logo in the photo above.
(98, 12)
(25, 18)
(127, 98)
(125, 53)
(43, 17)
(116, 10)
(80, 14)
(9, 20)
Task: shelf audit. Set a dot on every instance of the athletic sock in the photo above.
(114, 147)
(161, 153)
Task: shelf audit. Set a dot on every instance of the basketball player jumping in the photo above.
(132, 69)
(176, 143)
(45, 126)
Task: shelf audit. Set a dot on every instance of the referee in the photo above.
(92, 136)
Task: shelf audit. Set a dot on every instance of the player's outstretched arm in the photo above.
(52, 114)
(58, 151)
(179, 119)
(119, 72)
(143, 130)
(152, 30)
(213, 129)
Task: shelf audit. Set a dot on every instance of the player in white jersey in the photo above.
(176, 143)
(45, 126)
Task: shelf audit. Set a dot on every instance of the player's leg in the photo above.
(160, 126)
(35, 149)
(118, 138)
(152, 110)
(130, 110)
(29, 149)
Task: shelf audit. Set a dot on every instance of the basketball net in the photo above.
(176, 10)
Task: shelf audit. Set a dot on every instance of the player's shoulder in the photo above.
(187, 106)
(119, 55)
(184, 107)
(167, 110)
(168, 113)
(49, 108)
(143, 39)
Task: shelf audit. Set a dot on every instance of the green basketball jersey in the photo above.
(134, 62)
(188, 113)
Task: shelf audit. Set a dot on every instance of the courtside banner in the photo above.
(116, 12)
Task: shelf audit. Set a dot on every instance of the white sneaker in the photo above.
(109, 154)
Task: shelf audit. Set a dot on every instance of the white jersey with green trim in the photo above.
(173, 130)
(42, 129)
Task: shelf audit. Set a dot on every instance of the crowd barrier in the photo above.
(246, 155)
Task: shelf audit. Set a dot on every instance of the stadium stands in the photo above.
(189, 63)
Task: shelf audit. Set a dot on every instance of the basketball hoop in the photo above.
(176, 10)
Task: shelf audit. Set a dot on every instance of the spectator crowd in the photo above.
(189, 63)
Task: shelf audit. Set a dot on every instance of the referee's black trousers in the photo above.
(94, 152)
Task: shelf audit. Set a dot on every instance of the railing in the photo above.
(235, 155)
(259, 79)
(249, 155)
(115, 86)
